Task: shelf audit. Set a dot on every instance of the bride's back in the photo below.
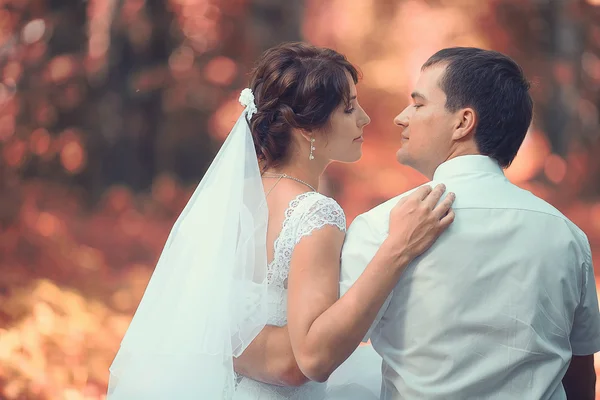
(294, 211)
(278, 202)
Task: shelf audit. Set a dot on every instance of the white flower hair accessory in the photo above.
(247, 100)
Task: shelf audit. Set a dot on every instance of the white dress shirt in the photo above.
(497, 306)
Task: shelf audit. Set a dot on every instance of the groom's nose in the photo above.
(402, 119)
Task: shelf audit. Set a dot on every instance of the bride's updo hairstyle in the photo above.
(295, 85)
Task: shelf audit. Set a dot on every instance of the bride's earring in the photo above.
(312, 148)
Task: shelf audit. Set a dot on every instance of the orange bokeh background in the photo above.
(111, 111)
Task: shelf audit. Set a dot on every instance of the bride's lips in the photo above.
(359, 139)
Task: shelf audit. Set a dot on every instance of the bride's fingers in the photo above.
(434, 197)
(447, 220)
(421, 193)
(444, 206)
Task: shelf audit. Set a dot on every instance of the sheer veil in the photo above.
(206, 300)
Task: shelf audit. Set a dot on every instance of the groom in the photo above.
(504, 305)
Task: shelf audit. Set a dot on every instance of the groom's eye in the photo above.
(349, 110)
(417, 106)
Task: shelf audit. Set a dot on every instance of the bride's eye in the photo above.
(417, 106)
(349, 110)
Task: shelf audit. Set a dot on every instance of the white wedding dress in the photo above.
(359, 377)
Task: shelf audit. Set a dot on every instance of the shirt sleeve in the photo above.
(360, 246)
(585, 335)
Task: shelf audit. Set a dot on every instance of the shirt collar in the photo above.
(467, 164)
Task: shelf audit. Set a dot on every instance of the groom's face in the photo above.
(426, 124)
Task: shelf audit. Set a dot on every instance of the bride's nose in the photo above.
(365, 120)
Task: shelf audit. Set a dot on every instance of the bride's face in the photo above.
(342, 139)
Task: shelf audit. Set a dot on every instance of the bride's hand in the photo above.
(418, 220)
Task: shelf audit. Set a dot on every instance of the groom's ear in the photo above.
(465, 124)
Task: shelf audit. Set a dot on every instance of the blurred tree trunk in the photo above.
(127, 155)
(552, 40)
(271, 22)
(590, 105)
(563, 52)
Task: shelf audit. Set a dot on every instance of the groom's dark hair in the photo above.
(495, 87)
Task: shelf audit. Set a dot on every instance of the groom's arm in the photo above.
(579, 381)
(269, 359)
(361, 243)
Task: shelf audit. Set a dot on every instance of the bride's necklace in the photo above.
(270, 175)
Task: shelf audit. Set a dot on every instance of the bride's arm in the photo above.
(325, 329)
(270, 359)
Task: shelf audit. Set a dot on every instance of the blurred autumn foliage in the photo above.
(111, 111)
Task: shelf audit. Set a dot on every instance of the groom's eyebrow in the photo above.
(415, 95)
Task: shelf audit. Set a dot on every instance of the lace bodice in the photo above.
(305, 214)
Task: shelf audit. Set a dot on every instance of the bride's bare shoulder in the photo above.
(282, 195)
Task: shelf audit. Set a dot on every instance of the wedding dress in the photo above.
(305, 214)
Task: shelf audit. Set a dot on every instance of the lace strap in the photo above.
(306, 213)
(321, 211)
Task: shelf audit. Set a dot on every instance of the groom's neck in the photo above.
(458, 152)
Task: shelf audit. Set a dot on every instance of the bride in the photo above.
(244, 301)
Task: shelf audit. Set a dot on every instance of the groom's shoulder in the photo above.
(379, 215)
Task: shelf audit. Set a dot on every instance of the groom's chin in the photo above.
(402, 157)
